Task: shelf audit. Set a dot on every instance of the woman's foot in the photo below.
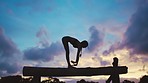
(70, 66)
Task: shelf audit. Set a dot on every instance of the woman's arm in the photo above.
(77, 58)
(78, 54)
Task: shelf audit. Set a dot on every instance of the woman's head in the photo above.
(84, 44)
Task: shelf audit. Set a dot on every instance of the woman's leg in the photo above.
(65, 43)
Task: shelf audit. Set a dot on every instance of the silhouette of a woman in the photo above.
(76, 44)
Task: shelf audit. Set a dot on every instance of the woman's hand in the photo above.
(74, 63)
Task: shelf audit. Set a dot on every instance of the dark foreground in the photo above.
(20, 79)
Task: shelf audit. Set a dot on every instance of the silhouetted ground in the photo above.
(144, 79)
(19, 79)
(127, 81)
(83, 81)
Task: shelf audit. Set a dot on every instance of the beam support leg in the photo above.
(36, 79)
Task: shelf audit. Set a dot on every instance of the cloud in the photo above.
(9, 68)
(45, 51)
(104, 63)
(95, 40)
(8, 53)
(135, 37)
(112, 48)
(43, 54)
(7, 47)
(43, 37)
(137, 32)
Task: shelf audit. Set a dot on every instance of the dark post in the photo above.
(115, 75)
(36, 79)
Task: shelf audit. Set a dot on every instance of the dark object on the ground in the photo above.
(144, 79)
(83, 81)
(114, 77)
(127, 81)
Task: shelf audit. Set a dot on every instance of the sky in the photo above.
(31, 33)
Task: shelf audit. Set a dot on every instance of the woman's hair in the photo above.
(84, 44)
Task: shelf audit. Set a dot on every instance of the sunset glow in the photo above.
(31, 34)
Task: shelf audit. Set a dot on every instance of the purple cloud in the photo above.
(9, 68)
(104, 63)
(135, 37)
(8, 54)
(7, 47)
(113, 47)
(45, 53)
(137, 32)
(95, 40)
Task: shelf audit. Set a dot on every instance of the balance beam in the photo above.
(89, 71)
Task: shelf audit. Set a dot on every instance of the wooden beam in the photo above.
(89, 71)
